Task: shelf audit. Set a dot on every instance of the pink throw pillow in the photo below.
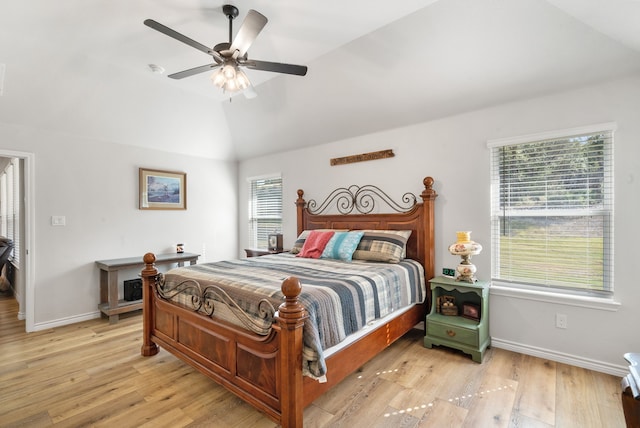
(315, 243)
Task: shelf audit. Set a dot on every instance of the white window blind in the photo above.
(15, 209)
(10, 206)
(3, 203)
(265, 209)
(552, 211)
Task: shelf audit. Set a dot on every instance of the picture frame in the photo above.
(162, 190)
(471, 311)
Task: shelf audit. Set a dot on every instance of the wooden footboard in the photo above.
(265, 371)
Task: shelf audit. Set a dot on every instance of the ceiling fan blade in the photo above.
(253, 23)
(192, 71)
(277, 67)
(182, 38)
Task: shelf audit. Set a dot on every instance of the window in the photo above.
(552, 210)
(265, 209)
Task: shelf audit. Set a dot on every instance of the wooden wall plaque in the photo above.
(382, 154)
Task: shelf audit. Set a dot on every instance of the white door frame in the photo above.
(28, 173)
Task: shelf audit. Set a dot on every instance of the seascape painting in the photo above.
(162, 190)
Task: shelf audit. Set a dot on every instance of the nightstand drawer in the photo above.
(452, 332)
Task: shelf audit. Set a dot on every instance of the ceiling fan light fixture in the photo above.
(230, 78)
(242, 80)
(218, 78)
(230, 86)
(229, 71)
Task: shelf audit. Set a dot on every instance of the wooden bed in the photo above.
(266, 371)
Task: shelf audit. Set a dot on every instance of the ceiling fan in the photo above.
(229, 56)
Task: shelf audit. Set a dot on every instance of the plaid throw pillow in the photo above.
(382, 245)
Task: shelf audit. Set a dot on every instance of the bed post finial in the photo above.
(428, 192)
(290, 318)
(300, 206)
(291, 308)
(149, 274)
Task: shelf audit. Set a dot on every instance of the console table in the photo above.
(109, 303)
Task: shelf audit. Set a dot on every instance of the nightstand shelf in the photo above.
(467, 335)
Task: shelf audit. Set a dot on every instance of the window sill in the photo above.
(600, 303)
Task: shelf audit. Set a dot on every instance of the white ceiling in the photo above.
(81, 67)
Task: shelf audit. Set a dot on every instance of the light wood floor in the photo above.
(92, 374)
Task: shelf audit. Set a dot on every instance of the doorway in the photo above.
(23, 274)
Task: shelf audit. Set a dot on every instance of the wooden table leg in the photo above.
(630, 405)
(104, 286)
(112, 279)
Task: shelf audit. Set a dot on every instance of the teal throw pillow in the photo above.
(342, 245)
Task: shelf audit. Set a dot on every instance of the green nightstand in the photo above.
(469, 335)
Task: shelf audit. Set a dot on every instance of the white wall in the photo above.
(453, 150)
(94, 184)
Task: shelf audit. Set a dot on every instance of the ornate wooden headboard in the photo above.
(408, 215)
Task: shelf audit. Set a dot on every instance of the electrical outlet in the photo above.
(449, 272)
(561, 321)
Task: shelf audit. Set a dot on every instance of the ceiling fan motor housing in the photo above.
(230, 11)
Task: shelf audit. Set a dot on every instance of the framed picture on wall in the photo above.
(162, 190)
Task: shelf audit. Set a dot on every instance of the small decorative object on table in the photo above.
(471, 311)
(447, 305)
(179, 248)
(465, 248)
(275, 242)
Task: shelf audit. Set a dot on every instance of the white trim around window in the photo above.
(552, 216)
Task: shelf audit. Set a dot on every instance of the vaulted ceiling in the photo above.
(82, 67)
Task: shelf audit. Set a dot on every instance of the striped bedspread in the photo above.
(340, 297)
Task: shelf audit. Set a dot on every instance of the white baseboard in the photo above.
(560, 357)
(66, 321)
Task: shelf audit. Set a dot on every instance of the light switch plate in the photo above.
(58, 220)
